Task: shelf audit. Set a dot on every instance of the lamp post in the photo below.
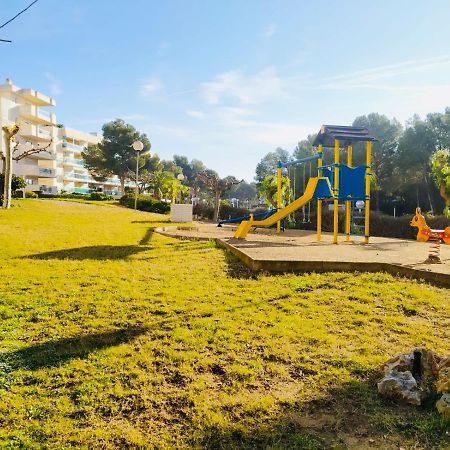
(180, 178)
(138, 146)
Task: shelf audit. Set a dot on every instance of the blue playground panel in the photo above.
(351, 181)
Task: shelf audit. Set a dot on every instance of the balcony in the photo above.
(77, 176)
(73, 162)
(42, 188)
(35, 132)
(37, 98)
(32, 170)
(74, 147)
(78, 190)
(37, 114)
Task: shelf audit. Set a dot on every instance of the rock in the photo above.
(414, 376)
(401, 385)
(443, 382)
(443, 405)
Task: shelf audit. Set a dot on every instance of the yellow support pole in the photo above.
(319, 201)
(336, 192)
(367, 205)
(348, 203)
(279, 196)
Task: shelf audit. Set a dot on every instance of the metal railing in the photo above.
(78, 162)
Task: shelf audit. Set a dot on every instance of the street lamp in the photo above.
(138, 146)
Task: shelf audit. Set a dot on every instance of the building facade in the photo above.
(60, 167)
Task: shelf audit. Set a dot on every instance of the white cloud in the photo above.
(55, 85)
(234, 85)
(195, 114)
(369, 77)
(151, 87)
(270, 30)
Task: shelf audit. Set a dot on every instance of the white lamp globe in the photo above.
(138, 146)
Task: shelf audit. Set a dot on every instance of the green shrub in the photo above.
(31, 194)
(145, 203)
(99, 196)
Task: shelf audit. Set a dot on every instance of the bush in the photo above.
(98, 196)
(31, 194)
(145, 203)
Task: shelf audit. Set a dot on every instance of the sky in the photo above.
(227, 82)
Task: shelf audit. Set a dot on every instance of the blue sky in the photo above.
(227, 82)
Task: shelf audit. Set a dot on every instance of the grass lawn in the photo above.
(112, 336)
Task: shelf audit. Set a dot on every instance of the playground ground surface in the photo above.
(298, 250)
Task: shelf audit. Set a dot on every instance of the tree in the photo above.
(388, 133)
(415, 148)
(14, 152)
(269, 189)
(440, 127)
(148, 166)
(115, 154)
(440, 167)
(16, 183)
(218, 186)
(247, 193)
(268, 165)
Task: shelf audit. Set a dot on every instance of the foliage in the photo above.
(31, 194)
(16, 184)
(440, 167)
(115, 154)
(268, 165)
(99, 196)
(116, 337)
(145, 203)
(217, 186)
(269, 188)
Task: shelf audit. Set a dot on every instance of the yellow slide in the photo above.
(245, 225)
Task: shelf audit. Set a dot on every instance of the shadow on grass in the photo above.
(99, 252)
(57, 352)
(237, 269)
(349, 416)
(147, 237)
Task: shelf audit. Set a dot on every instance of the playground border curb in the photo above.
(291, 266)
(286, 266)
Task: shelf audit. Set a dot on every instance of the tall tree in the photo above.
(115, 154)
(388, 133)
(218, 186)
(440, 167)
(415, 148)
(268, 165)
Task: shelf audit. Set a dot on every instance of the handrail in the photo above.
(300, 161)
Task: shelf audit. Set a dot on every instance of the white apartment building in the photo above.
(60, 167)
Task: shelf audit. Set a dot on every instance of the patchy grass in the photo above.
(115, 337)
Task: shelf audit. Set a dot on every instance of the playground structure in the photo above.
(336, 181)
(425, 233)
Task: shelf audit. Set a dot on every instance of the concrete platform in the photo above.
(298, 251)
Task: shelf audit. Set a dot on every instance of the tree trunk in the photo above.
(122, 185)
(428, 192)
(7, 171)
(216, 205)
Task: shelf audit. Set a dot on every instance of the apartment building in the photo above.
(60, 167)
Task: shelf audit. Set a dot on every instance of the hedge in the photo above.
(145, 203)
